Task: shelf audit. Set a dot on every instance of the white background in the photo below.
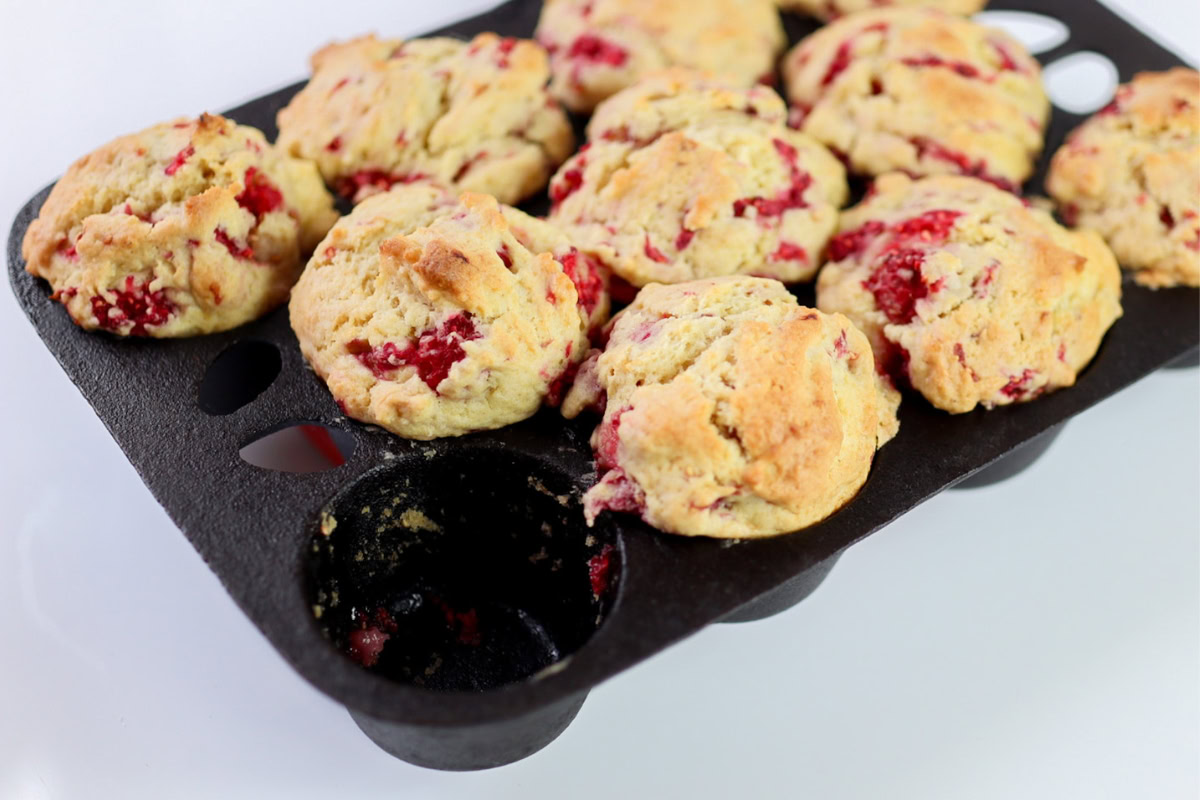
(1037, 639)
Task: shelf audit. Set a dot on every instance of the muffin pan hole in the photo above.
(300, 448)
(1081, 82)
(1037, 32)
(237, 376)
(463, 571)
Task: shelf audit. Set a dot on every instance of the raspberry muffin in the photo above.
(1132, 174)
(922, 92)
(188, 227)
(709, 200)
(967, 294)
(590, 278)
(731, 411)
(432, 319)
(475, 116)
(676, 98)
(832, 9)
(598, 47)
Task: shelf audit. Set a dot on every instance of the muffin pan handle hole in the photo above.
(1081, 82)
(300, 448)
(237, 376)
(464, 571)
(1039, 33)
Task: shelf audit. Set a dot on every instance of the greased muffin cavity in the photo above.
(731, 411)
(1132, 174)
(186, 228)
(475, 115)
(920, 91)
(967, 294)
(428, 316)
(598, 47)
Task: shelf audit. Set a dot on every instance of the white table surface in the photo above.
(1036, 639)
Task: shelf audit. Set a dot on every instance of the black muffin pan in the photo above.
(449, 593)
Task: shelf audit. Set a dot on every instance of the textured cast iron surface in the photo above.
(252, 526)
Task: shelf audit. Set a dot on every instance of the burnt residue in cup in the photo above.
(464, 570)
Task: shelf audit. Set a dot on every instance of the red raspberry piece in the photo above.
(928, 148)
(845, 54)
(789, 251)
(571, 180)
(653, 253)
(853, 242)
(433, 353)
(965, 70)
(931, 226)
(136, 305)
(684, 239)
(893, 363)
(897, 285)
(599, 567)
(789, 198)
(350, 185)
(595, 49)
(607, 441)
(588, 280)
(1018, 385)
(626, 495)
(235, 249)
(1007, 62)
(180, 158)
(260, 197)
(366, 645)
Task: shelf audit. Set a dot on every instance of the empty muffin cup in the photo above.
(461, 571)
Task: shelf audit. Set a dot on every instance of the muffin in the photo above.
(188, 227)
(922, 92)
(431, 318)
(1132, 174)
(676, 98)
(598, 47)
(731, 411)
(968, 295)
(691, 179)
(475, 116)
(832, 9)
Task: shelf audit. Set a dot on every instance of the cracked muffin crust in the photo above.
(675, 98)
(598, 47)
(920, 91)
(734, 195)
(428, 316)
(731, 411)
(966, 294)
(832, 9)
(1132, 174)
(186, 228)
(474, 115)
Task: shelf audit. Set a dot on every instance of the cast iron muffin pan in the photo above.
(500, 608)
